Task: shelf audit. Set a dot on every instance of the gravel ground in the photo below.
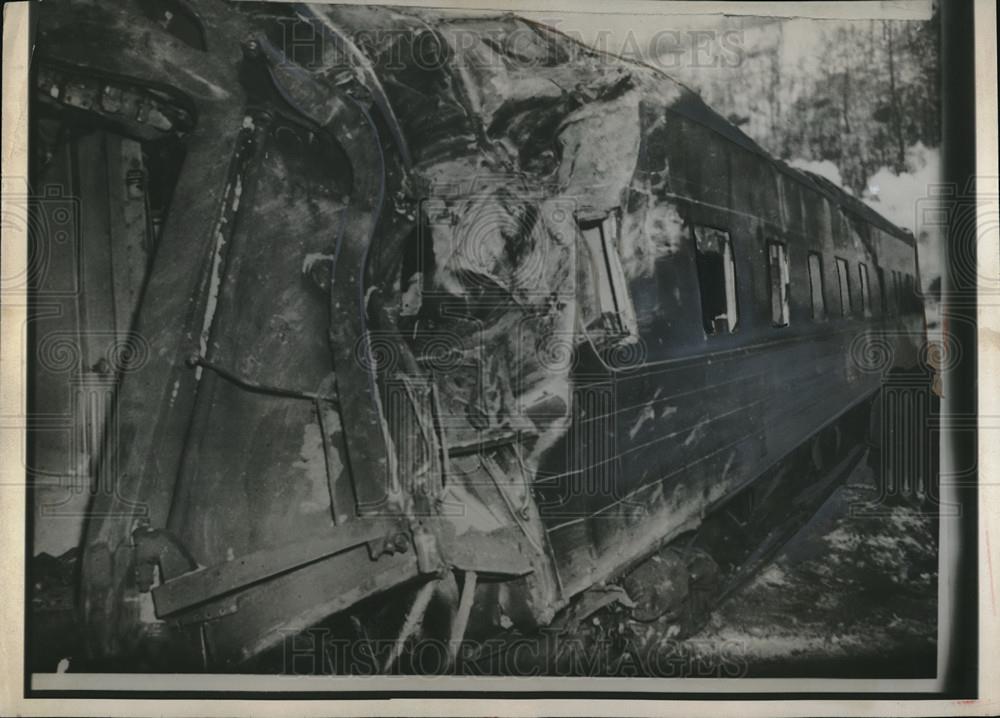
(852, 594)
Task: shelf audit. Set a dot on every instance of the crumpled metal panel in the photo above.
(261, 460)
(370, 303)
(155, 401)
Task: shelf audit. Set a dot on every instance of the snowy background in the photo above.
(857, 102)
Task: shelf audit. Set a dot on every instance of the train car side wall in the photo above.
(714, 404)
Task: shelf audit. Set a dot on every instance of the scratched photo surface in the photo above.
(370, 340)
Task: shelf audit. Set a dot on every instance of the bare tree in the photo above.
(896, 114)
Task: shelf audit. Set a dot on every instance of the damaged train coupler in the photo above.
(159, 556)
(421, 538)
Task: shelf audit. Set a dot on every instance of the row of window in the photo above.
(612, 311)
(717, 281)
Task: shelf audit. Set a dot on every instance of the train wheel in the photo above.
(675, 591)
(873, 435)
(825, 448)
(837, 439)
(818, 453)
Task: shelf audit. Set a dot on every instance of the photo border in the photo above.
(969, 104)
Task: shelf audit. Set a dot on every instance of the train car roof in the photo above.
(692, 107)
(687, 104)
(854, 206)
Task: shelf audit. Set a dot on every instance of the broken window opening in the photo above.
(777, 254)
(816, 286)
(866, 301)
(716, 279)
(844, 280)
(615, 314)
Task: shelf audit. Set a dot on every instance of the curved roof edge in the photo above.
(693, 107)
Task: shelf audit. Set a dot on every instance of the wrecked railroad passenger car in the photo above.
(416, 302)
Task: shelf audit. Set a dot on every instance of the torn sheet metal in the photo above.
(421, 276)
